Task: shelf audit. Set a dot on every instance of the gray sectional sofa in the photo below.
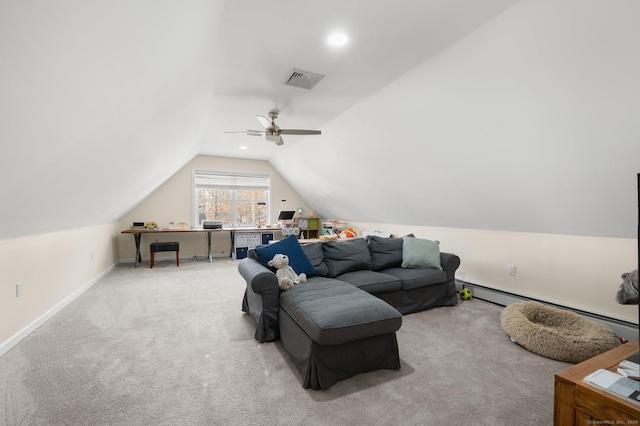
(343, 320)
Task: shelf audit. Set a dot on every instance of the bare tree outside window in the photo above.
(231, 198)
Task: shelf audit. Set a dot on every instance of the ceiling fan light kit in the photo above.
(272, 137)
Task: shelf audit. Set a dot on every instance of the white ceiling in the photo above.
(260, 43)
(510, 115)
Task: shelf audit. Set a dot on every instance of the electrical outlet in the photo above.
(511, 270)
(19, 289)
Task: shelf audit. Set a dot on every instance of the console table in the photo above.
(578, 403)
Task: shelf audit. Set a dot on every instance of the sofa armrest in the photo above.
(450, 262)
(260, 278)
(261, 298)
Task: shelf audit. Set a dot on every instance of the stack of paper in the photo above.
(616, 384)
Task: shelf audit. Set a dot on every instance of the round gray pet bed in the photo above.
(555, 333)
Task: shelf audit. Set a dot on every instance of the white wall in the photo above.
(100, 99)
(517, 145)
(53, 269)
(573, 271)
(529, 124)
(172, 201)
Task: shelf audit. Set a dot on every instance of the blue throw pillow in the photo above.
(290, 246)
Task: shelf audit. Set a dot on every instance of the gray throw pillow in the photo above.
(346, 256)
(385, 252)
(420, 253)
(316, 256)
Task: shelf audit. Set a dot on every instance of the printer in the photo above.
(212, 224)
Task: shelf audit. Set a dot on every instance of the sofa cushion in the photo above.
(346, 256)
(416, 278)
(385, 252)
(332, 312)
(290, 246)
(371, 282)
(316, 256)
(420, 253)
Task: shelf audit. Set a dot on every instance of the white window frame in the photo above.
(233, 180)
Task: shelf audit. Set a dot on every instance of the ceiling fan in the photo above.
(272, 132)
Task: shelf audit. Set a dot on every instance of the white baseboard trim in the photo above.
(624, 329)
(7, 345)
(173, 258)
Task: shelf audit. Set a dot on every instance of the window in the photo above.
(236, 199)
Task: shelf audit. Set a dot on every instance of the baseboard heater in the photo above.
(624, 329)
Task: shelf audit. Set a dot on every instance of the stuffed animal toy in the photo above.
(628, 291)
(287, 277)
(348, 233)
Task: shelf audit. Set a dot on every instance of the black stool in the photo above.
(164, 246)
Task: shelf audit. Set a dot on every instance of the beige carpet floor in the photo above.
(170, 346)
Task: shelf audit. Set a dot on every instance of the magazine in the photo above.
(615, 383)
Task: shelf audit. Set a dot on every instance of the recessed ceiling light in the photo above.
(243, 147)
(338, 39)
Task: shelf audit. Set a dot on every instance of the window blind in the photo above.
(226, 180)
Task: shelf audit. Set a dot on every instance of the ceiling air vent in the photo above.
(303, 79)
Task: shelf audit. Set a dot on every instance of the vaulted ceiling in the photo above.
(261, 43)
(493, 114)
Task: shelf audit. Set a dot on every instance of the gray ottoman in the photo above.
(333, 331)
(164, 246)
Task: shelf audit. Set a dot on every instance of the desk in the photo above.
(137, 235)
(578, 403)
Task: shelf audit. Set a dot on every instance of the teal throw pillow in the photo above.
(420, 253)
(290, 246)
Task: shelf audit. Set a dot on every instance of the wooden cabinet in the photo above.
(309, 226)
(577, 403)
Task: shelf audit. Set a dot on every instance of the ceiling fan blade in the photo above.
(299, 132)
(264, 121)
(250, 132)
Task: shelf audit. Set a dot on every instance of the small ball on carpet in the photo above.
(465, 294)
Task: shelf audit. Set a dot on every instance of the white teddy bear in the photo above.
(286, 275)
